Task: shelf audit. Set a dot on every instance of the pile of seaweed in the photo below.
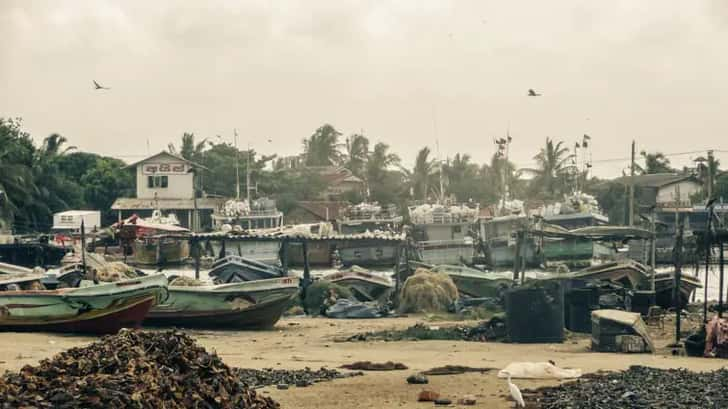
(132, 369)
(637, 387)
(491, 330)
(257, 378)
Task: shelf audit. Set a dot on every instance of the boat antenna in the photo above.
(247, 175)
(237, 164)
(437, 147)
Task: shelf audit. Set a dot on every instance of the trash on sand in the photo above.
(467, 400)
(537, 370)
(417, 379)
(443, 402)
(374, 366)
(492, 330)
(427, 395)
(132, 369)
(454, 370)
(257, 378)
(638, 387)
(345, 308)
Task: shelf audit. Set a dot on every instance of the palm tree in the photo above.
(551, 174)
(357, 150)
(378, 162)
(189, 150)
(419, 177)
(498, 177)
(322, 148)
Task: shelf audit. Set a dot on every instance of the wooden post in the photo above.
(223, 250)
(720, 286)
(306, 274)
(677, 255)
(397, 267)
(197, 249)
(517, 257)
(284, 255)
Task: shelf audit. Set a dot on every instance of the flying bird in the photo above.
(515, 393)
(532, 93)
(97, 86)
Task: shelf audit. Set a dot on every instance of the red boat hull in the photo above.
(110, 323)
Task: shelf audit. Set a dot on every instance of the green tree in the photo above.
(553, 169)
(322, 148)
(654, 163)
(355, 158)
(378, 166)
(189, 149)
(421, 174)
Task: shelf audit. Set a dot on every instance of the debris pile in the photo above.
(427, 291)
(492, 330)
(638, 387)
(375, 366)
(257, 378)
(133, 369)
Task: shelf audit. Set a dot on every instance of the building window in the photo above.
(157, 182)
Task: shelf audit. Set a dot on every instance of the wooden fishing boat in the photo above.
(96, 309)
(235, 268)
(364, 285)
(243, 305)
(474, 283)
(664, 284)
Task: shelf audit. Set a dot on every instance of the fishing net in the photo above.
(319, 296)
(427, 291)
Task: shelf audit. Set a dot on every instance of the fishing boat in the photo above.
(499, 235)
(157, 240)
(474, 283)
(257, 217)
(442, 233)
(665, 283)
(241, 305)
(232, 269)
(363, 284)
(31, 251)
(368, 218)
(95, 309)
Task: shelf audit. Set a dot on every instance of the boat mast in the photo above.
(247, 175)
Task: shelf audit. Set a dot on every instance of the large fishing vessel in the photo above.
(442, 232)
(368, 218)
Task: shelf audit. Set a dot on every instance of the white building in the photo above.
(167, 182)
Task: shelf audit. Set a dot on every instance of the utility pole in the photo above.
(711, 176)
(631, 187)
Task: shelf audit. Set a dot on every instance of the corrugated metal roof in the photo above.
(132, 203)
(232, 236)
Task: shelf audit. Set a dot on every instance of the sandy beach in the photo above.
(300, 342)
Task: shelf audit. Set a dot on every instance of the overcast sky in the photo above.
(407, 72)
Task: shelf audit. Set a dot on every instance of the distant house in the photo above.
(664, 189)
(315, 212)
(166, 182)
(339, 181)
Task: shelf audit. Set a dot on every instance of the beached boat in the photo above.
(157, 240)
(31, 252)
(474, 283)
(97, 309)
(442, 233)
(364, 285)
(232, 269)
(664, 284)
(242, 305)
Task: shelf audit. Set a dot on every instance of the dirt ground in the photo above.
(312, 342)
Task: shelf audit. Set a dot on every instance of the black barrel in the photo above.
(536, 313)
(579, 305)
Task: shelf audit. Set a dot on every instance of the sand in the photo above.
(311, 342)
